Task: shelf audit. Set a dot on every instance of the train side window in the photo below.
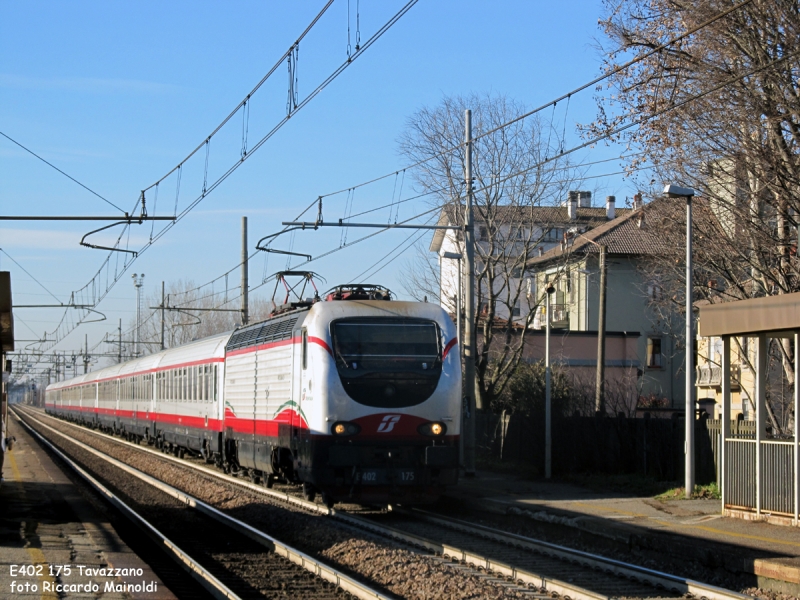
(215, 383)
(305, 349)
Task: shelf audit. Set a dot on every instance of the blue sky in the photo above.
(117, 93)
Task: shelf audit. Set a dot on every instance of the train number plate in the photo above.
(369, 476)
(407, 477)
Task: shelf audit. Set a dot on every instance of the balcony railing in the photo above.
(711, 376)
(559, 316)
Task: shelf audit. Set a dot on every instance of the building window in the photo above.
(517, 309)
(654, 292)
(654, 356)
(555, 234)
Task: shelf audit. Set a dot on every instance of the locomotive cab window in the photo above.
(305, 349)
(387, 362)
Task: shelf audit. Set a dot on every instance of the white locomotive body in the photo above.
(354, 397)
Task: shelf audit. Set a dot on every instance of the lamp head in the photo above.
(674, 191)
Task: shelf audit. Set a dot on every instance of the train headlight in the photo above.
(343, 428)
(433, 429)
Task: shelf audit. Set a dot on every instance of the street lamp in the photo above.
(548, 434)
(600, 395)
(674, 191)
(138, 282)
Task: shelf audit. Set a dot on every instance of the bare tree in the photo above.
(728, 125)
(516, 169)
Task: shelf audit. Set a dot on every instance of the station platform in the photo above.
(54, 542)
(692, 530)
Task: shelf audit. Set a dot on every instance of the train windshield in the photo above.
(390, 363)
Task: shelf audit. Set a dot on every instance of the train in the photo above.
(354, 395)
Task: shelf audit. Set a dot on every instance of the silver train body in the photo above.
(356, 399)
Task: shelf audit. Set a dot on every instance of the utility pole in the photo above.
(162, 315)
(245, 315)
(119, 339)
(86, 354)
(600, 396)
(469, 308)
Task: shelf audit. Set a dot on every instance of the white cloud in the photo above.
(49, 239)
(93, 85)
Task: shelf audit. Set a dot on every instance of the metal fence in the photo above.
(776, 494)
(740, 473)
(777, 474)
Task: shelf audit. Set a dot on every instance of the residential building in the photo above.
(572, 268)
(518, 233)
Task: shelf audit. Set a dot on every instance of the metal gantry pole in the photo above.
(86, 354)
(689, 457)
(469, 309)
(245, 311)
(163, 305)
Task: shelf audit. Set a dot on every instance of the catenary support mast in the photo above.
(469, 309)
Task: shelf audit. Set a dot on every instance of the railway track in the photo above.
(522, 565)
(229, 558)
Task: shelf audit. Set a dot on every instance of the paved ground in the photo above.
(51, 536)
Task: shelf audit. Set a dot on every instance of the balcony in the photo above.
(711, 376)
(559, 317)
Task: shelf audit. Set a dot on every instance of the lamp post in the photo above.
(674, 191)
(138, 282)
(599, 393)
(548, 434)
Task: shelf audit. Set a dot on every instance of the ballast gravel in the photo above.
(397, 570)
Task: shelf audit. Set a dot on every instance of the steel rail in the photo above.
(199, 573)
(656, 578)
(622, 569)
(314, 566)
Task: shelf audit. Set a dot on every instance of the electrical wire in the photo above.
(41, 285)
(179, 216)
(70, 177)
(517, 119)
(552, 103)
(408, 241)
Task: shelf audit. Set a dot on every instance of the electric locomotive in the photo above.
(354, 395)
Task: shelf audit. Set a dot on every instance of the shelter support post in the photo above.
(725, 430)
(761, 410)
(796, 448)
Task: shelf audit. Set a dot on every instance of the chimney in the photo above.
(585, 199)
(540, 250)
(637, 201)
(610, 207)
(572, 205)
